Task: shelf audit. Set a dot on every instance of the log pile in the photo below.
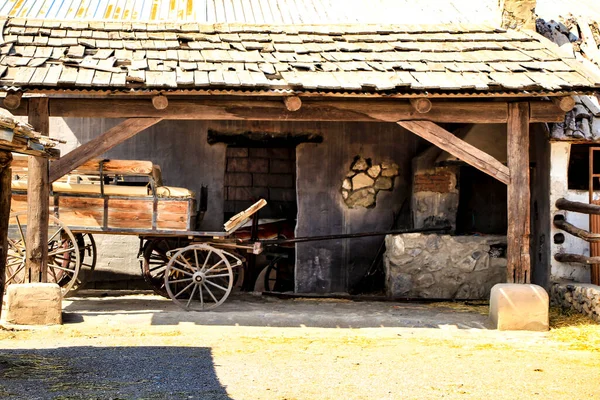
(20, 137)
(579, 38)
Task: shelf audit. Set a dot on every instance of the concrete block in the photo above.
(33, 304)
(519, 307)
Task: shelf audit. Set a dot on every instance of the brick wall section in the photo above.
(253, 173)
(439, 182)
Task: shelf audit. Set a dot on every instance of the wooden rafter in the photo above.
(99, 145)
(368, 110)
(458, 148)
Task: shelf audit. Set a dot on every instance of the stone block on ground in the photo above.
(519, 307)
(33, 304)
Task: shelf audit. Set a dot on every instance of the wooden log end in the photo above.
(292, 103)
(160, 102)
(421, 105)
(12, 101)
(565, 103)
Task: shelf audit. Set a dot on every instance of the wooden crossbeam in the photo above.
(99, 145)
(458, 148)
(318, 109)
(519, 197)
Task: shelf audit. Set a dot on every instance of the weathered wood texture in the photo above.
(5, 194)
(594, 229)
(292, 103)
(38, 188)
(576, 258)
(422, 105)
(576, 206)
(575, 231)
(99, 145)
(359, 110)
(458, 148)
(88, 212)
(518, 235)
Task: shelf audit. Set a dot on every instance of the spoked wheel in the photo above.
(199, 277)
(89, 256)
(155, 260)
(64, 256)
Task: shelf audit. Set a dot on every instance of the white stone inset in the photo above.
(33, 304)
(519, 307)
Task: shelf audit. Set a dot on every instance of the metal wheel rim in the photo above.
(199, 279)
(59, 273)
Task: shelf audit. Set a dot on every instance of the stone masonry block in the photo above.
(515, 307)
(238, 179)
(282, 194)
(260, 165)
(282, 166)
(33, 304)
(259, 152)
(237, 152)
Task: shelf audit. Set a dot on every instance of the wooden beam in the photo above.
(576, 206)
(576, 258)
(292, 103)
(561, 223)
(421, 105)
(368, 110)
(458, 148)
(99, 145)
(12, 101)
(566, 103)
(5, 194)
(160, 102)
(38, 193)
(519, 198)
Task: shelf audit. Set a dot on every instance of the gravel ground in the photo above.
(114, 348)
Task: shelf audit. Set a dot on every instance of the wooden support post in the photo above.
(518, 251)
(5, 194)
(38, 193)
(458, 148)
(99, 145)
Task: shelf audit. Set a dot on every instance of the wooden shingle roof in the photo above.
(130, 56)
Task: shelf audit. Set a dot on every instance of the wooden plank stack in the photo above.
(16, 136)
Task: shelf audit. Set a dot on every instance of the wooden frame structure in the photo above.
(141, 114)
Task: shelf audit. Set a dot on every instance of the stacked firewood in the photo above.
(20, 137)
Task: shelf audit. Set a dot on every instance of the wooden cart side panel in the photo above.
(81, 211)
(175, 214)
(128, 213)
(88, 212)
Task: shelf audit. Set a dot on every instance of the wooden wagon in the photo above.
(196, 269)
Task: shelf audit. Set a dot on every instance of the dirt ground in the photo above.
(143, 347)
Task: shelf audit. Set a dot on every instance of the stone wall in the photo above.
(581, 297)
(444, 266)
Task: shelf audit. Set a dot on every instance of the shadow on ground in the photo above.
(110, 372)
(261, 311)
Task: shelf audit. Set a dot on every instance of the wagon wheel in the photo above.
(89, 256)
(155, 260)
(64, 255)
(199, 277)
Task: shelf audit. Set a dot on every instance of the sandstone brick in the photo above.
(260, 180)
(238, 179)
(281, 181)
(237, 165)
(246, 194)
(282, 166)
(34, 304)
(284, 153)
(259, 152)
(258, 165)
(519, 307)
(282, 194)
(237, 152)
